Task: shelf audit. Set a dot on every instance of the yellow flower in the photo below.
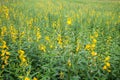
(47, 38)
(23, 59)
(59, 39)
(107, 58)
(35, 78)
(3, 30)
(38, 35)
(5, 62)
(69, 21)
(4, 46)
(87, 47)
(3, 52)
(51, 46)
(94, 40)
(61, 75)
(3, 66)
(42, 47)
(93, 46)
(21, 52)
(8, 53)
(108, 64)
(4, 42)
(93, 53)
(104, 67)
(69, 63)
(26, 78)
(91, 37)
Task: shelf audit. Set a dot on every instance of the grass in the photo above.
(59, 40)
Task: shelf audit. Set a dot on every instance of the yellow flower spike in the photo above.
(59, 39)
(21, 56)
(107, 58)
(5, 62)
(38, 35)
(3, 66)
(3, 52)
(69, 63)
(108, 64)
(3, 30)
(23, 59)
(47, 38)
(42, 47)
(51, 46)
(61, 75)
(104, 67)
(93, 53)
(35, 78)
(4, 46)
(27, 78)
(8, 53)
(87, 47)
(69, 21)
(91, 37)
(21, 52)
(93, 46)
(94, 40)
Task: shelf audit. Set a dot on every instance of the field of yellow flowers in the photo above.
(59, 40)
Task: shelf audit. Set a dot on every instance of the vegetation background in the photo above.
(59, 40)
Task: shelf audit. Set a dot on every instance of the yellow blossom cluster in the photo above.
(69, 63)
(91, 47)
(59, 39)
(69, 21)
(6, 11)
(107, 64)
(3, 31)
(22, 57)
(47, 38)
(13, 33)
(38, 35)
(27, 78)
(4, 53)
(42, 47)
(61, 75)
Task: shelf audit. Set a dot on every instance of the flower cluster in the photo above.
(6, 12)
(14, 33)
(42, 47)
(4, 53)
(22, 57)
(59, 39)
(69, 21)
(91, 47)
(107, 64)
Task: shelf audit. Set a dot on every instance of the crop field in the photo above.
(59, 39)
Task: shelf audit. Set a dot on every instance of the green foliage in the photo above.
(59, 40)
